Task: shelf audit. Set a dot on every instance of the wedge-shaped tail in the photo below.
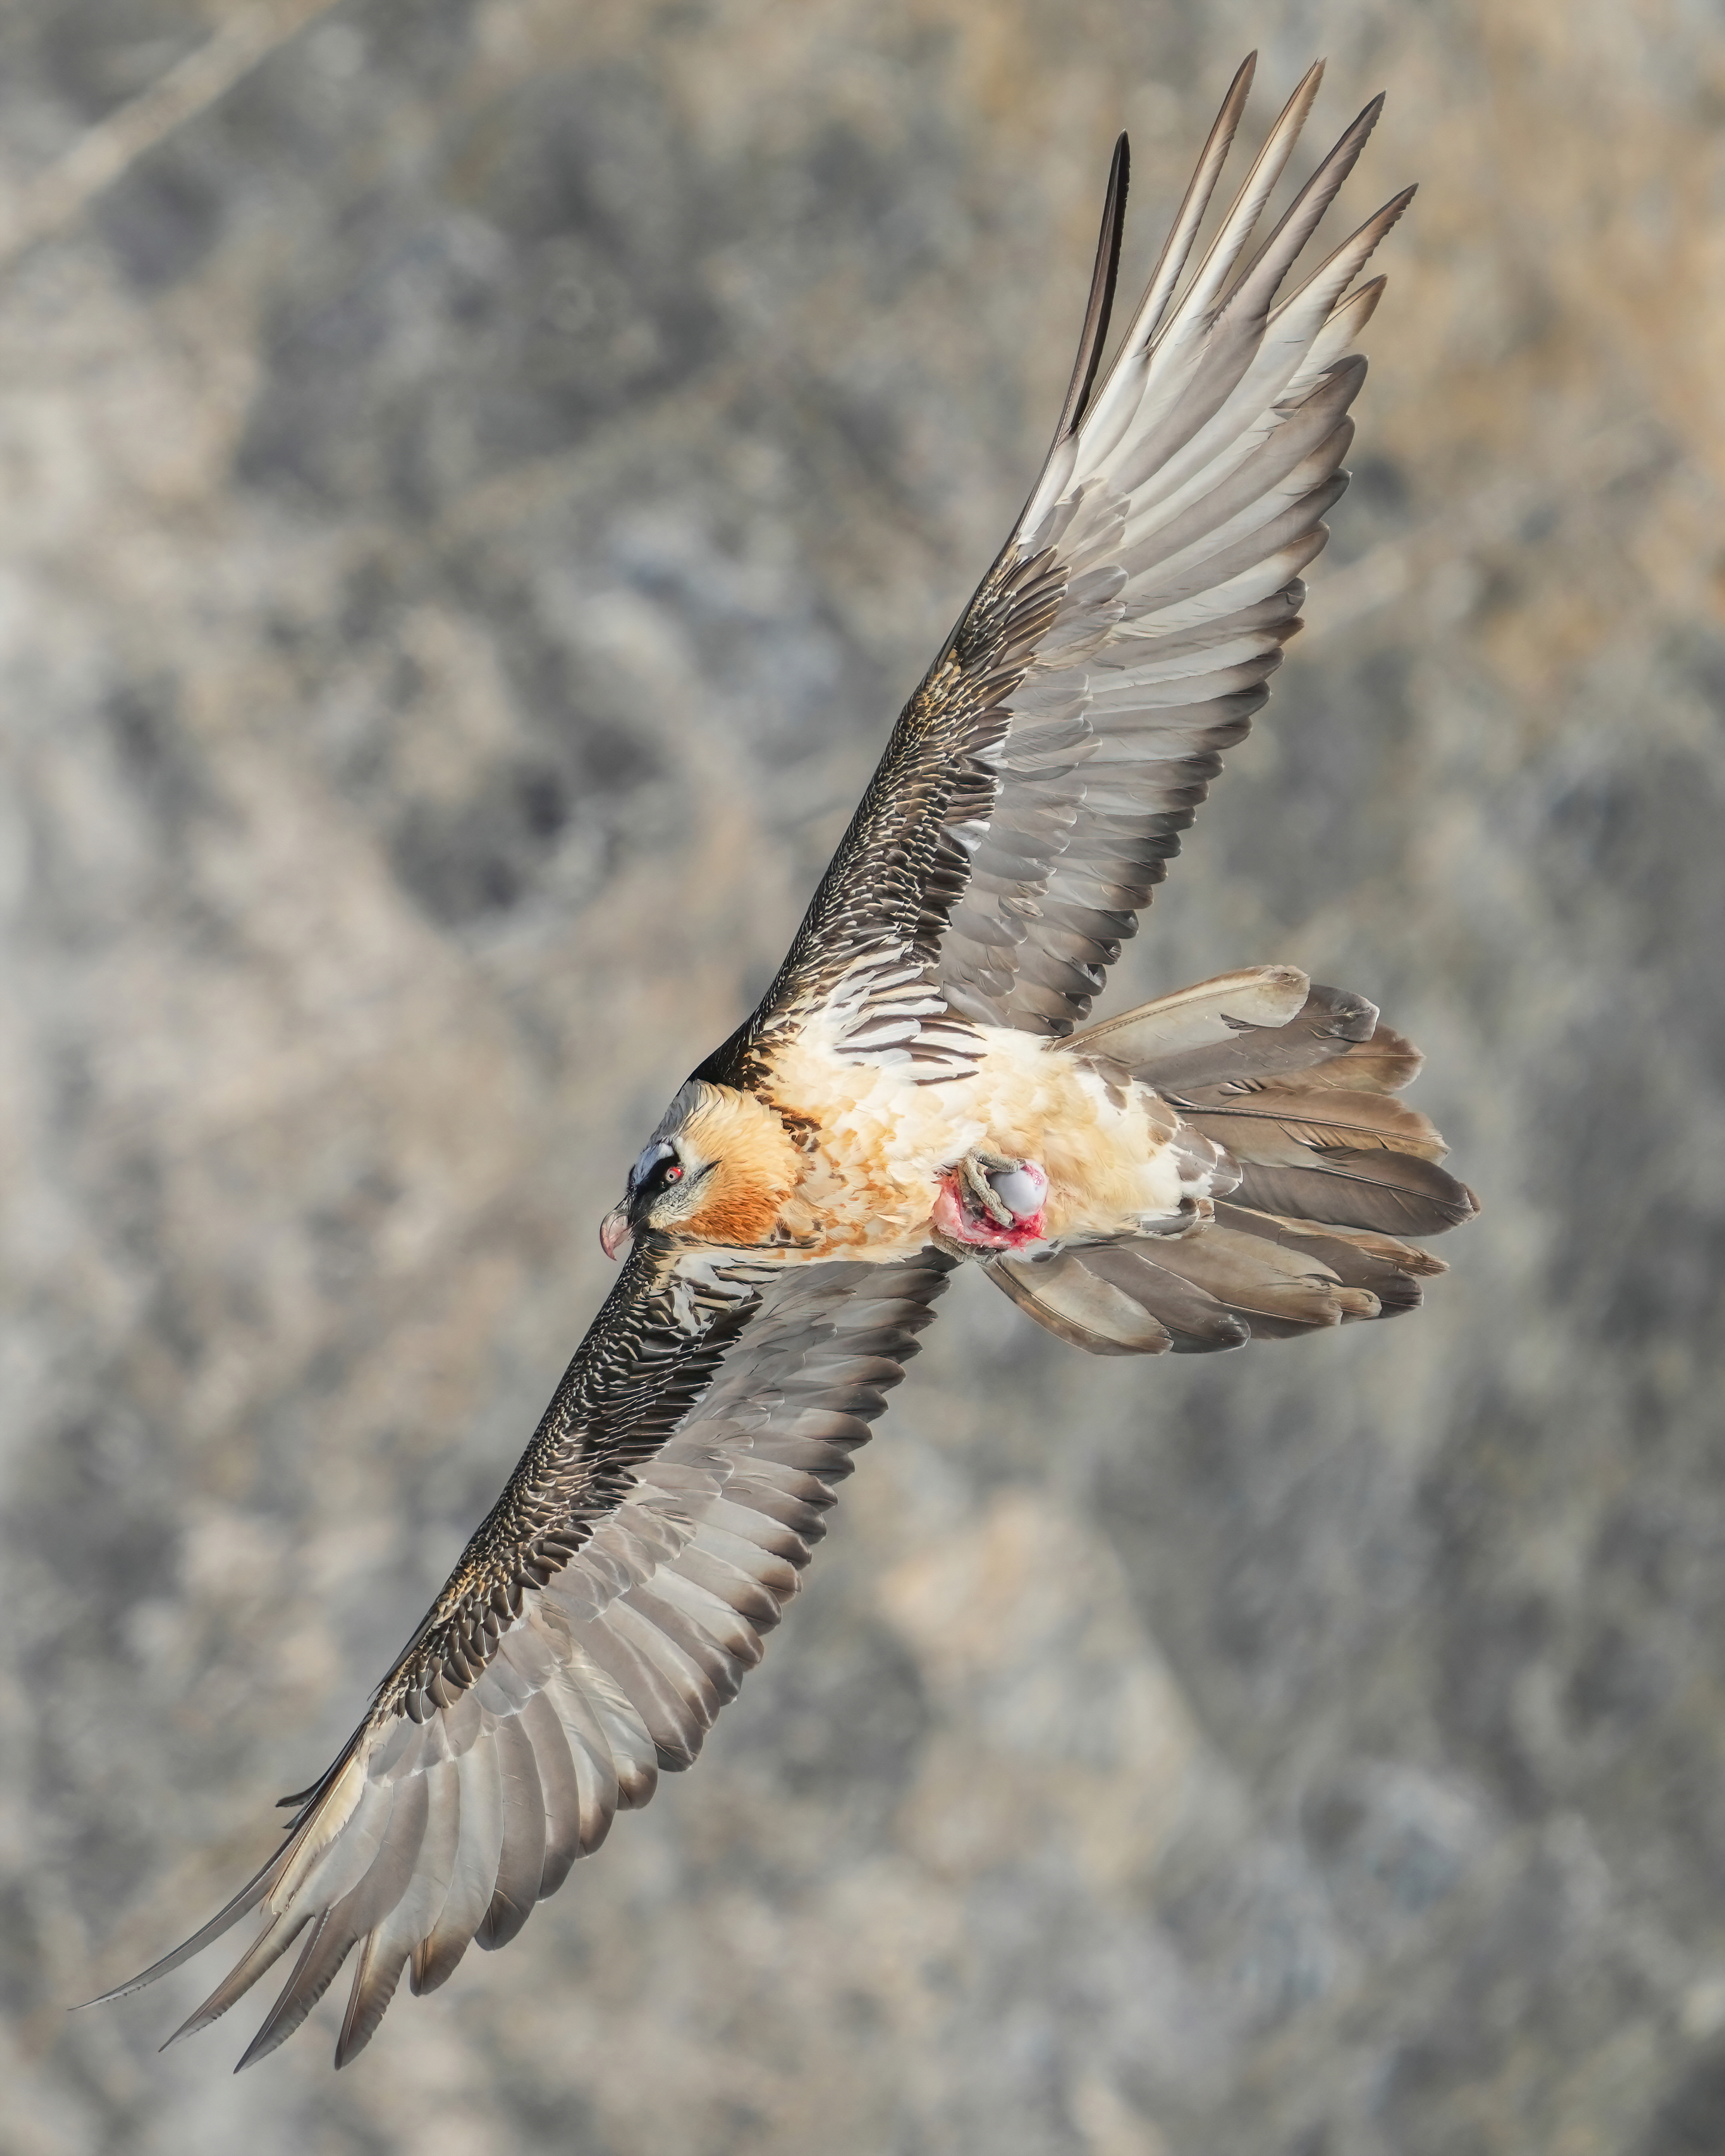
(1298, 1084)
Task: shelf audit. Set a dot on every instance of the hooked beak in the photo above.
(612, 1230)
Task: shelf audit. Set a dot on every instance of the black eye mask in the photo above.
(655, 1171)
(650, 1171)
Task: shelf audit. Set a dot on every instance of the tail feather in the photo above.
(1280, 1127)
(1198, 1294)
(1387, 1062)
(1237, 1030)
(1390, 1268)
(1390, 1192)
(1066, 1297)
(1296, 1083)
(1200, 1322)
(1206, 1015)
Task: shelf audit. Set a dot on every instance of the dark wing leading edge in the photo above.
(1036, 784)
(598, 1619)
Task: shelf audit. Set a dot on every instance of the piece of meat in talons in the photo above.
(1296, 1083)
(987, 1202)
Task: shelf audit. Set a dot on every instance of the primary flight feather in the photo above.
(918, 1090)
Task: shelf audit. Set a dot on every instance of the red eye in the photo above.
(674, 1175)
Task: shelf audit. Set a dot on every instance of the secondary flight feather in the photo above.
(917, 1091)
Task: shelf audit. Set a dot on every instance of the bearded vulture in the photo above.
(919, 1088)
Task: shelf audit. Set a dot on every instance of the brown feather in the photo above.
(327, 1946)
(1388, 1191)
(376, 1975)
(521, 1862)
(385, 1951)
(1064, 1295)
(1260, 1280)
(1325, 1024)
(1196, 1322)
(334, 1935)
(474, 1878)
(1388, 1062)
(1391, 1269)
(560, 1786)
(1279, 1125)
(1209, 1014)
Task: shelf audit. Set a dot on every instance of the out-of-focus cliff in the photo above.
(473, 495)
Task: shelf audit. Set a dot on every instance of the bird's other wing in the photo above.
(605, 1610)
(1035, 785)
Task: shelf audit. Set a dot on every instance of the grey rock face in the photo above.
(475, 492)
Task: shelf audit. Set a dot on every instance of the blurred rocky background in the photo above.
(479, 478)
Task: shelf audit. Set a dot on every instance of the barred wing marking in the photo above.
(683, 1469)
(1035, 788)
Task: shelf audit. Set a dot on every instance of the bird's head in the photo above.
(717, 1170)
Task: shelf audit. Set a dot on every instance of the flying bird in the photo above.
(918, 1090)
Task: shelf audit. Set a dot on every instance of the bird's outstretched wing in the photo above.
(599, 1618)
(1035, 785)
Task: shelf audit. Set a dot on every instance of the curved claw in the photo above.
(988, 1204)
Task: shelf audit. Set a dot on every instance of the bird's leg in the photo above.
(990, 1202)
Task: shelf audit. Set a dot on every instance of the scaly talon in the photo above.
(975, 1168)
(986, 1203)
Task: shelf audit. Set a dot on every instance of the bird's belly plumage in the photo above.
(880, 1137)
